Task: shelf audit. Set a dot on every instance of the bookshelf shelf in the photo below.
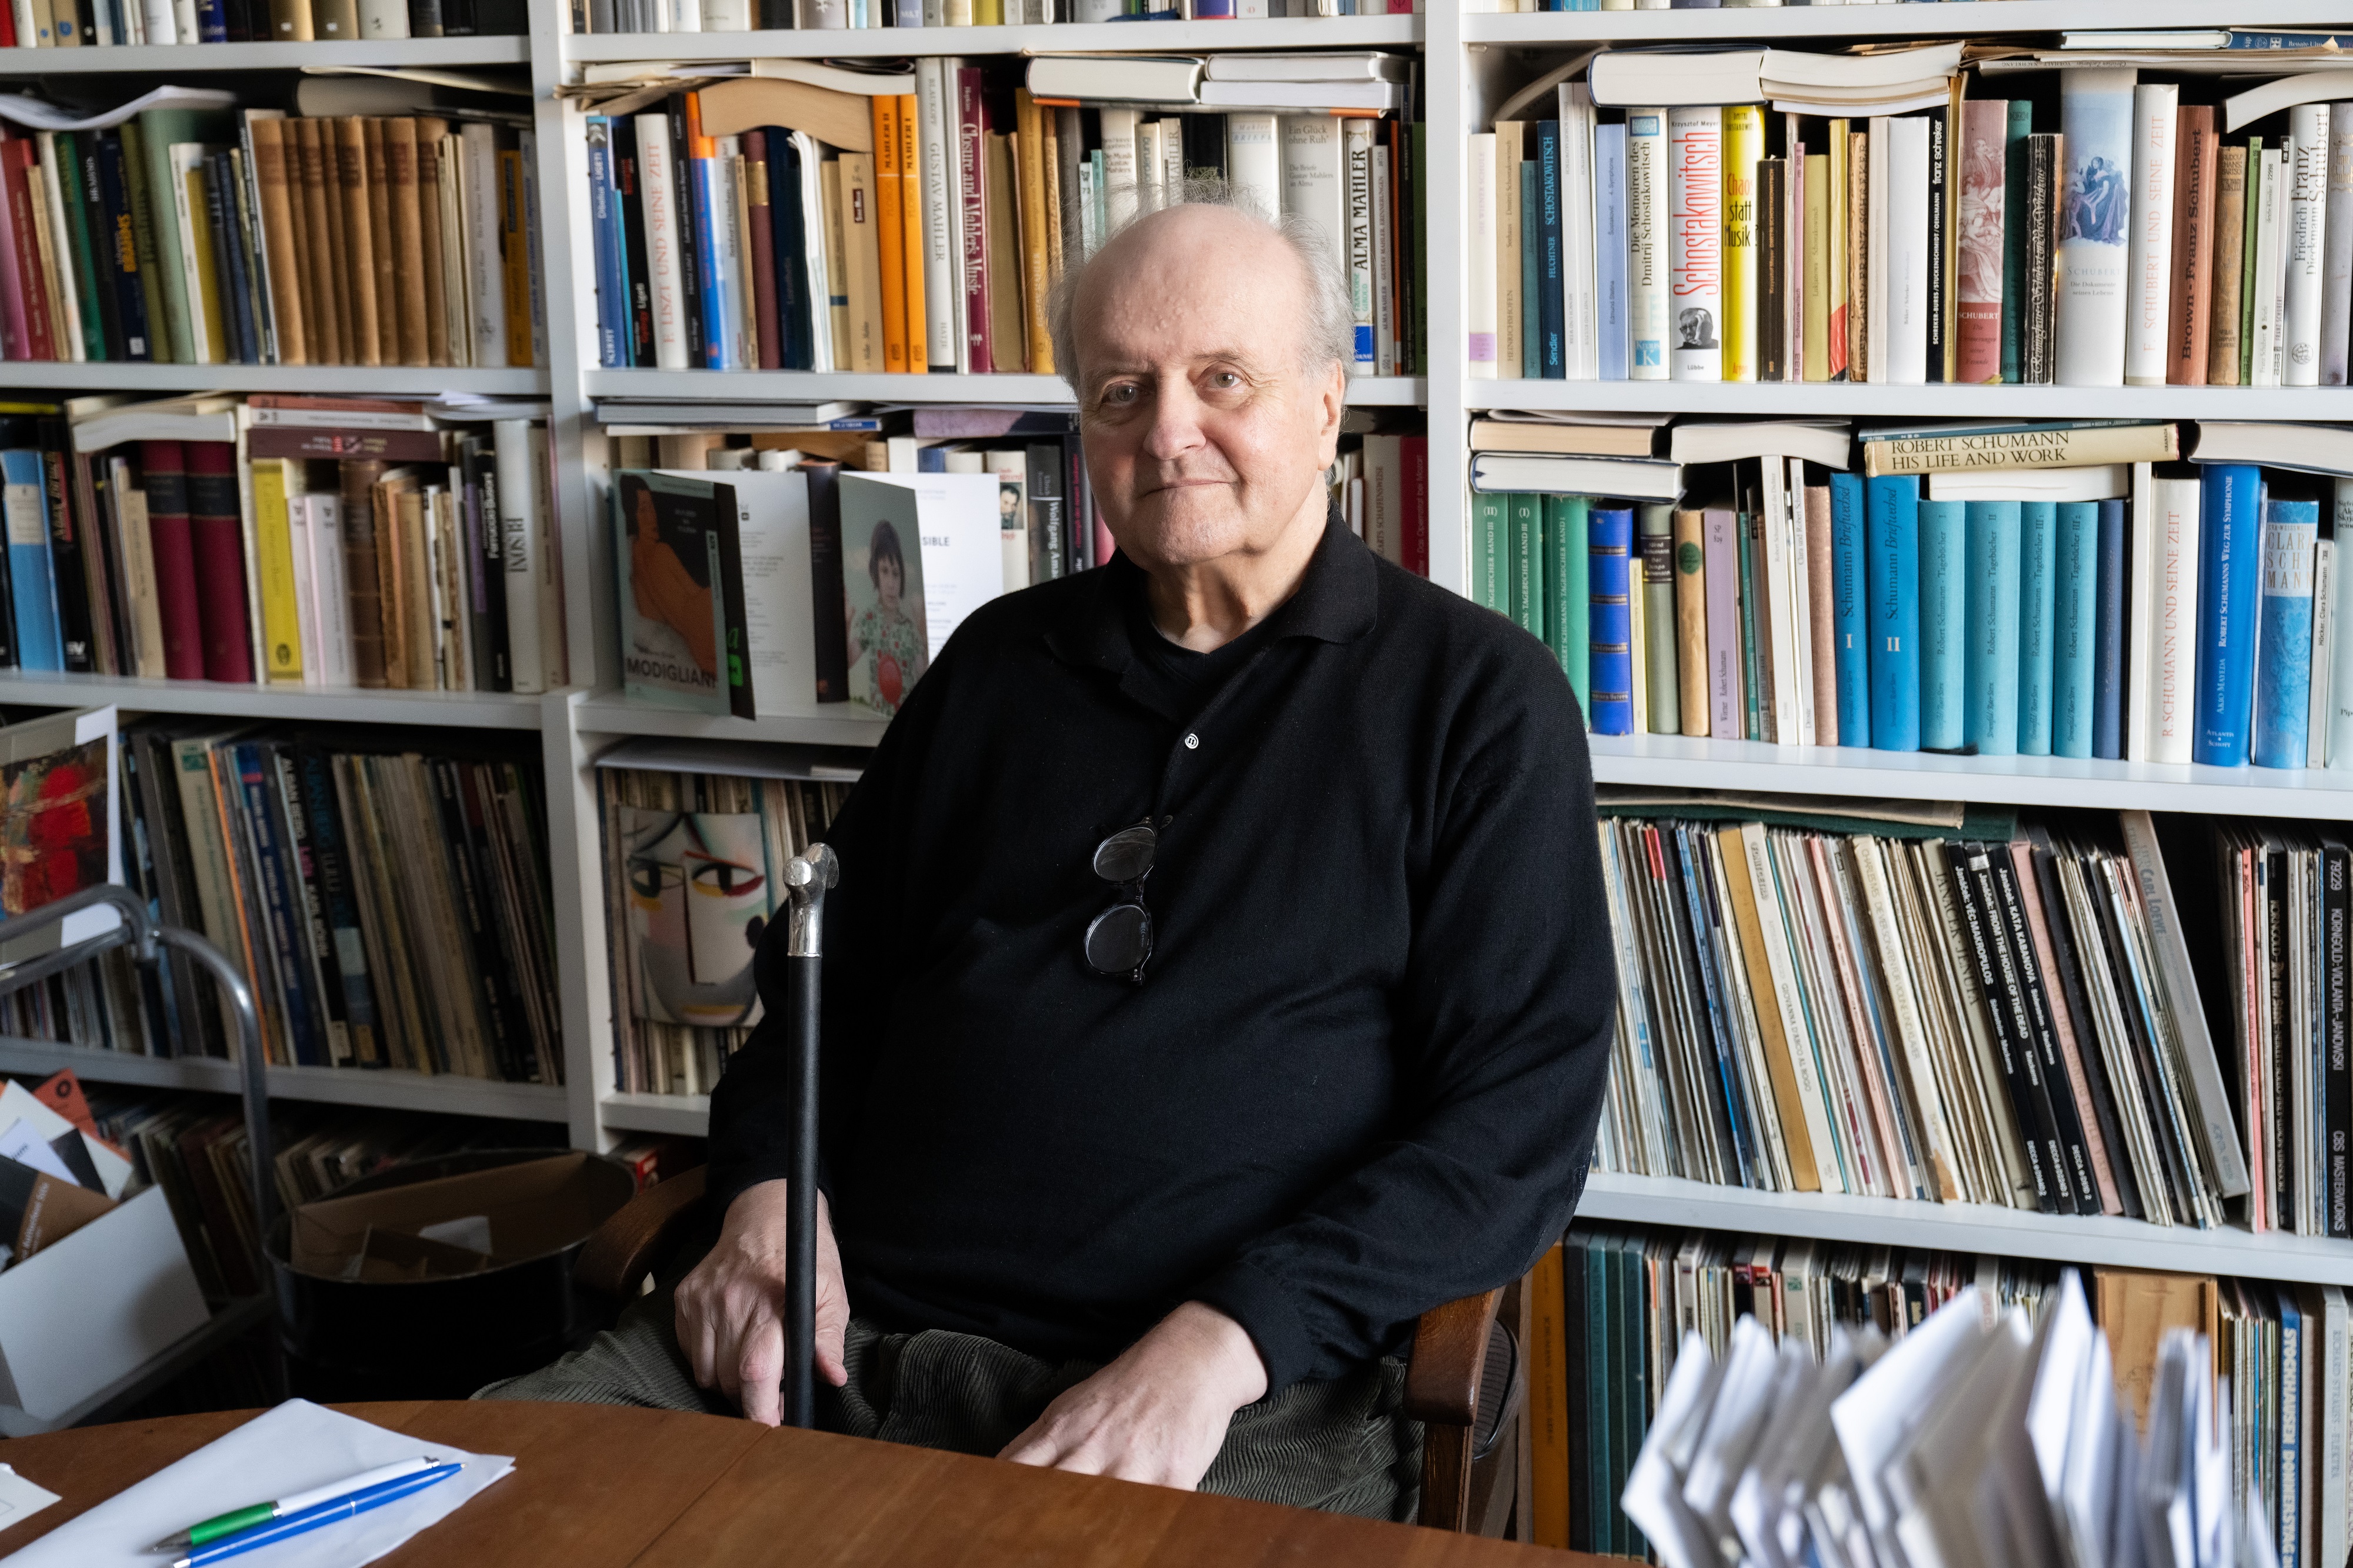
(114, 376)
(459, 710)
(833, 724)
(1685, 761)
(180, 58)
(735, 387)
(676, 1115)
(1947, 401)
(388, 1089)
(1966, 1227)
(1951, 20)
(1173, 38)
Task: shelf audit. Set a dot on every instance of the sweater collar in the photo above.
(1335, 602)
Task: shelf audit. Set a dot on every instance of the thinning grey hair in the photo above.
(1328, 334)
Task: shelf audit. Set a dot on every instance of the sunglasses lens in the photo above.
(1119, 939)
(1126, 855)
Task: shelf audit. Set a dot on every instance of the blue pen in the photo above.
(312, 1517)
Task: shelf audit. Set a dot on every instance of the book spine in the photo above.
(1995, 546)
(216, 527)
(828, 602)
(889, 200)
(1891, 531)
(612, 302)
(1480, 297)
(972, 130)
(2040, 446)
(2070, 1147)
(2232, 167)
(1982, 242)
(2039, 308)
(1568, 597)
(1849, 599)
(1743, 146)
(2229, 578)
(1579, 316)
(2336, 287)
(1610, 220)
(2324, 652)
(1491, 576)
(1696, 189)
(760, 230)
(2038, 566)
(1972, 887)
(2165, 640)
(282, 630)
(521, 542)
(1528, 563)
(2262, 337)
(1815, 268)
(2283, 653)
(2304, 287)
(2150, 254)
(1941, 255)
(1943, 626)
(1551, 361)
(1725, 647)
(2075, 627)
(1773, 258)
(2337, 1071)
(1663, 679)
(2340, 679)
(2095, 116)
(163, 478)
(1611, 533)
(1910, 240)
(1649, 245)
(2191, 298)
(1357, 145)
(1692, 668)
(40, 643)
(942, 267)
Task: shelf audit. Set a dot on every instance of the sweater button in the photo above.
(1192, 743)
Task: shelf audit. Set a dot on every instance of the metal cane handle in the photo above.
(806, 879)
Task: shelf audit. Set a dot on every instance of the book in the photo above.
(2077, 649)
(669, 544)
(2301, 308)
(2097, 125)
(1692, 671)
(1609, 700)
(1650, 245)
(1996, 543)
(2229, 576)
(2232, 168)
(1694, 170)
(1565, 616)
(1891, 534)
(1743, 144)
(1962, 445)
(2284, 653)
(1944, 624)
(1849, 561)
(2037, 623)
(2156, 111)
(1982, 240)
(2191, 299)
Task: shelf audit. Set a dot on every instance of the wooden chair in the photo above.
(1463, 1384)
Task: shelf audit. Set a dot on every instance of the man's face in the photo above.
(1205, 432)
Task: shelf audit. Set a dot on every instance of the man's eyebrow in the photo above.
(1240, 356)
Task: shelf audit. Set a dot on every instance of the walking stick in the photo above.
(806, 878)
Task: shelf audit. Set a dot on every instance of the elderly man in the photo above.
(1220, 975)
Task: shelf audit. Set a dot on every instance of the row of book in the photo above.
(1930, 1003)
(283, 539)
(694, 869)
(197, 237)
(1950, 597)
(2196, 1422)
(385, 892)
(741, 15)
(1720, 225)
(917, 223)
(71, 24)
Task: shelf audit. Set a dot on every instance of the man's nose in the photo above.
(1176, 421)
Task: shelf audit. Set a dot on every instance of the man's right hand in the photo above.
(730, 1309)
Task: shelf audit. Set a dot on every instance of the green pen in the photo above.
(243, 1519)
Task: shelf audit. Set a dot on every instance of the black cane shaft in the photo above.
(800, 1296)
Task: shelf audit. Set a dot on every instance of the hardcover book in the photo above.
(2283, 649)
(1991, 720)
(1893, 545)
(2095, 224)
(2229, 579)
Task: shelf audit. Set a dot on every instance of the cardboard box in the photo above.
(94, 1307)
(532, 1209)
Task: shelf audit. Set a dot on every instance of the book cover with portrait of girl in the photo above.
(883, 578)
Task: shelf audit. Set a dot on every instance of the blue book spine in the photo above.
(1610, 707)
(2108, 645)
(1992, 723)
(612, 295)
(2230, 506)
(212, 22)
(32, 578)
(280, 910)
(2075, 629)
(1531, 274)
(931, 459)
(2037, 569)
(1848, 600)
(2283, 658)
(1944, 613)
(1554, 359)
(1609, 246)
(796, 324)
(703, 215)
(1892, 529)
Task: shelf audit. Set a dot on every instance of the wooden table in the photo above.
(603, 1486)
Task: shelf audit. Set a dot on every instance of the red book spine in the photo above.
(216, 532)
(1415, 452)
(759, 219)
(972, 162)
(15, 341)
(16, 168)
(164, 476)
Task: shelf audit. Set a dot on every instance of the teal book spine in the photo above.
(1568, 587)
(1850, 603)
(1528, 563)
(1666, 674)
(2075, 629)
(1751, 644)
(1530, 272)
(1892, 530)
(1990, 725)
(2013, 233)
(1491, 547)
(2038, 567)
(2283, 644)
(1944, 613)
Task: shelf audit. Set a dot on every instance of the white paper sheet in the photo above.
(20, 1500)
(18, 1103)
(290, 1449)
(21, 1142)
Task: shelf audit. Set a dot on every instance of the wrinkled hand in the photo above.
(729, 1315)
(1159, 1413)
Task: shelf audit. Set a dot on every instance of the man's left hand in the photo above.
(1159, 1413)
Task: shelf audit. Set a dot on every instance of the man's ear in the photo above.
(1333, 396)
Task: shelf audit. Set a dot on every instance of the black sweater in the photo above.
(1362, 1073)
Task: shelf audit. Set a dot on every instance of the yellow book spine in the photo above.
(1548, 1414)
(988, 13)
(836, 262)
(1744, 144)
(281, 626)
(1036, 264)
(1835, 366)
(890, 214)
(865, 261)
(200, 233)
(911, 234)
(1818, 265)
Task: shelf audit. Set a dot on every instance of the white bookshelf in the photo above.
(1951, 20)
(180, 59)
(386, 1089)
(1139, 37)
(73, 375)
(1947, 401)
(457, 710)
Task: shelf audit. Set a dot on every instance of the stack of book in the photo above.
(1920, 1003)
(195, 236)
(833, 220)
(284, 539)
(385, 893)
(684, 998)
(738, 15)
(1764, 215)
